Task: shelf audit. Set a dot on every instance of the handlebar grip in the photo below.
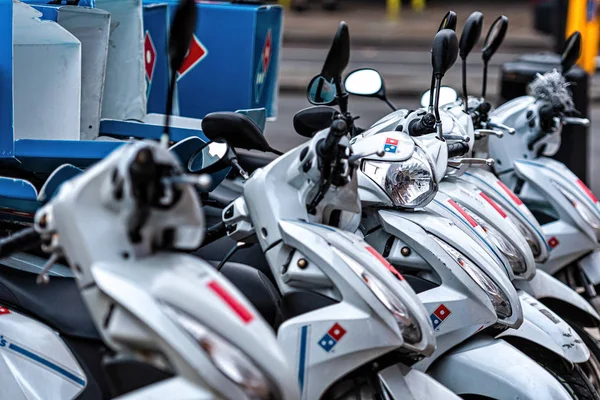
(422, 126)
(457, 149)
(19, 241)
(214, 233)
(547, 112)
(337, 130)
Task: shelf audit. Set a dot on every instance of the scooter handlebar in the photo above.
(19, 241)
(457, 149)
(422, 126)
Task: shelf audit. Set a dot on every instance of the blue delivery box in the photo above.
(232, 63)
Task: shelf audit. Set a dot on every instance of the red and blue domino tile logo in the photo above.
(332, 337)
(439, 316)
(391, 145)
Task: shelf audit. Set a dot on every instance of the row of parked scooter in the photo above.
(438, 254)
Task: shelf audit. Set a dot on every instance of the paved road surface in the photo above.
(281, 134)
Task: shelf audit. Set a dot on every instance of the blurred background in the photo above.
(395, 38)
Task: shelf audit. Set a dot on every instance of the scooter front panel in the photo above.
(34, 362)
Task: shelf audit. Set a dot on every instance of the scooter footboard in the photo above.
(493, 368)
(403, 383)
(176, 388)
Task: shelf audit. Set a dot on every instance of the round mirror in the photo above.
(364, 82)
(321, 91)
(447, 96)
(495, 37)
(209, 155)
(571, 52)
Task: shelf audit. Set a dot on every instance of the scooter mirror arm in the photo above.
(499, 126)
(457, 162)
(575, 121)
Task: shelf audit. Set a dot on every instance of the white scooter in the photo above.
(122, 227)
(354, 326)
(412, 159)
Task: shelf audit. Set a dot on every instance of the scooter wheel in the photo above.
(592, 367)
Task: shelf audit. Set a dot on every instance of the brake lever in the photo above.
(499, 126)
(457, 162)
(575, 121)
(355, 157)
(479, 133)
(457, 137)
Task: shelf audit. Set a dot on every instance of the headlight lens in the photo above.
(589, 216)
(531, 238)
(410, 330)
(409, 183)
(496, 295)
(513, 255)
(228, 359)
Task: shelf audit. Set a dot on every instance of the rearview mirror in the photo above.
(365, 82)
(181, 32)
(210, 158)
(571, 52)
(494, 38)
(313, 119)
(444, 52)
(447, 96)
(338, 56)
(321, 91)
(449, 21)
(471, 33)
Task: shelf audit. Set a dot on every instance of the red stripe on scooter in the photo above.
(493, 204)
(510, 193)
(231, 301)
(463, 213)
(587, 190)
(385, 262)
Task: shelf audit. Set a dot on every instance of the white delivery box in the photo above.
(46, 78)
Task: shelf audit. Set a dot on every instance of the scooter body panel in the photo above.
(493, 368)
(35, 364)
(545, 286)
(330, 342)
(476, 202)
(544, 328)
(176, 388)
(590, 265)
(403, 383)
(512, 205)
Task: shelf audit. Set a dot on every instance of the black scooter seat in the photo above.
(58, 304)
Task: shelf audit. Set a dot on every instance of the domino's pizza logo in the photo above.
(439, 316)
(263, 67)
(391, 145)
(332, 337)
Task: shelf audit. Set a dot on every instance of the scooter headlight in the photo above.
(515, 258)
(584, 211)
(228, 359)
(409, 184)
(496, 295)
(410, 330)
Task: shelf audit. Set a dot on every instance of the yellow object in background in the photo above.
(285, 3)
(418, 5)
(393, 9)
(583, 17)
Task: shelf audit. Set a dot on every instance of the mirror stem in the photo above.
(166, 136)
(464, 79)
(485, 71)
(390, 104)
(431, 92)
(436, 108)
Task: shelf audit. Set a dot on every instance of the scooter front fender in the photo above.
(544, 328)
(403, 383)
(176, 388)
(545, 286)
(590, 265)
(493, 368)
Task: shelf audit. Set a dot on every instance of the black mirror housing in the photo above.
(444, 52)
(494, 38)
(571, 52)
(471, 33)
(449, 22)
(313, 119)
(181, 33)
(339, 54)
